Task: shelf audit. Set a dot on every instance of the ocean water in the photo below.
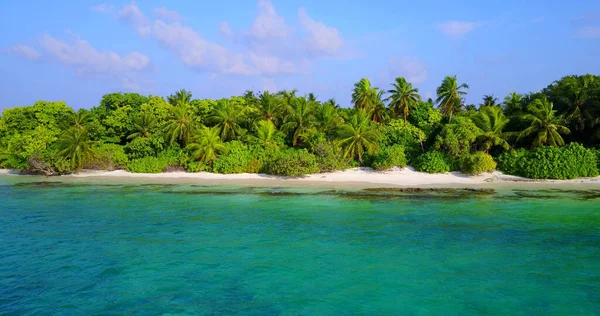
(75, 249)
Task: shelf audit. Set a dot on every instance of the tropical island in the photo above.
(550, 134)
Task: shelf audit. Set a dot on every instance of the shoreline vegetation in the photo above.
(551, 134)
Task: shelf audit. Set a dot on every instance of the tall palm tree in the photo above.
(265, 133)
(450, 95)
(226, 117)
(299, 119)
(181, 96)
(143, 124)
(577, 114)
(378, 110)
(270, 106)
(358, 136)
(362, 95)
(181, 125)
(288, 96)
(333, 103)
(513, 103)
(207, 144)
(77, 119)
(76, 147)
(491, 121)
(327, 117)
(545, 124)
(312, 97)
(403, 97)
(489, 100)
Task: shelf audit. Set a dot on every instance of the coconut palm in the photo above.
(76, 147)
(545, 124)
(181, 96)
(299, 119)
(358, 136)
(181, 125)
(327, 117)
(312, 97)
(450, 95)
(226, 117)
(270, 106)
(489, 100)
(265, 133)
(577, 113)
(513, 103)
(403, 97)
(207, 144)
(363, 94)
(333, 103)
(491, 121)
(143, 125)
(378, 110)
(77, 119)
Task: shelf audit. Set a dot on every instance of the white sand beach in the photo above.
(356, 177)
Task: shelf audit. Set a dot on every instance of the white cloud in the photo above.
(588, 32)
(267, 23)
(411, 68)
(226, 30)
(166, 14)
(322, 39)
(457, 29)
(131, 14)
(25, 51)
(104, 7)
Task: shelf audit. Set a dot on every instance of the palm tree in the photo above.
(577, 113)
(76, 147)
(545, 124)
(181, 96)
(513, 103)
(450, 95)
(77, 119)
(207, 144)
(265, 133)
(226, 117)
(491, 121)
(312, 97)
(288, 96)
(143, 125)
(378, 111)
(181, 125)
(333, 103)
(301, 114)
(270, 106)
(489, 100)
(358, 136)
(403, 97)
(327, 117)
(362, 95)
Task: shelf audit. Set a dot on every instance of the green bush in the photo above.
(478, 163)
(236, 160)
(389, 157)
(147, 165)
(404, 134)
(329, 156)
(107, 157)
(568, 162)
(432, 162)
(294, 162)
(143, 147)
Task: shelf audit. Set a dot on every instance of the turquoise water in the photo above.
(148, 249)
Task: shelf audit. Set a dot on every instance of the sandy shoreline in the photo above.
(351, 178)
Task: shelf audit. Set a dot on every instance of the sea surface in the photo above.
(127, 249)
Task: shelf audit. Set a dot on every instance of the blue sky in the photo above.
(77, 51)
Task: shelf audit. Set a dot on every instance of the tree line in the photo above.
(290, 134)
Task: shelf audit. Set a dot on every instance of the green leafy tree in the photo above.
(363, 95)
(403, 97)
(489, 100)
(266, 134)
(143, 126)
(181, 125)
(513, 104)
(358, 136)
(181, 96)
(327, 117)
(545, 126)
(207, 144)
(270, 107)
(450, 95)
(77, 119)
(226, 117)
(76, 147)
(491, 121)
(299, 119)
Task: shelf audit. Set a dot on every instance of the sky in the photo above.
(77, 51)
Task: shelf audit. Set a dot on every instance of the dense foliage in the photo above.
(538, 135)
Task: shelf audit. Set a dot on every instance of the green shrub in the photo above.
(329, 156)
(478, 163)
(143, 147)
(147, 165)
(432, 162)
(236, 159)
(389, 157)
(107, 157)
(195, 166)
(294, 162)
(404, 134)
(568, 162)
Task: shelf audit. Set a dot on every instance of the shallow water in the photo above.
(166, 249)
